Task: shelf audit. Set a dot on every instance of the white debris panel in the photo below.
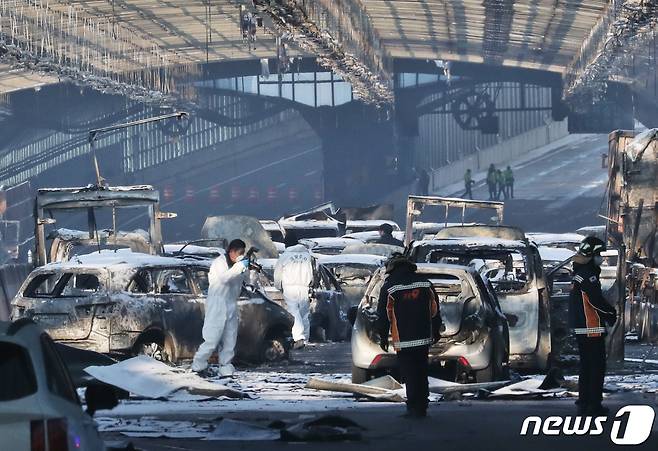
(149, 378)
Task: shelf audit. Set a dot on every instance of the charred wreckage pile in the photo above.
(291, 20)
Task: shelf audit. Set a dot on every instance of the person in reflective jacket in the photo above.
(589, 313)
(220, 324)
(408, 309)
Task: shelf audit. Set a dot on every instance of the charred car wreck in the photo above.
(474, 344)
(125, 303)
(514, 268)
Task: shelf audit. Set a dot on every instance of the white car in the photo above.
(39, 407)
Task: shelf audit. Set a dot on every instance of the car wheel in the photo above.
(274, 350)
(318, 334)
(359, 375)
(495, 369)
(162, 351)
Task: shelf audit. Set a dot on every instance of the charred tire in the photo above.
(359, 375)
(495, 370)
(274, 350)
(318, 334)
(157, 346)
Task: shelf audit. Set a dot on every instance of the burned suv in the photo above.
(513, 266)
(128, 303)
(474, 342)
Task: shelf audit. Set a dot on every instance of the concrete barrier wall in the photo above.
(11, 279)
(501, 153)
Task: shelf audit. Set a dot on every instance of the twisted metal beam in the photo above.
(339, 33)
(620, 32)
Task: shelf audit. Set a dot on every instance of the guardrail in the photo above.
(504, 152)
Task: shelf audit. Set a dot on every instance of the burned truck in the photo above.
(632, 226)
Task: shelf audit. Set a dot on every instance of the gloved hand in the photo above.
(383, 343)
(244, 262)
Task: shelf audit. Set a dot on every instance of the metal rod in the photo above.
(94, 134)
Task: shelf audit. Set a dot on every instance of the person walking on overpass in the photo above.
(589, 313)
(468, 184)
(508, 175)
(408, 309)
(422, 182)
(220, 324)
(491, 181)
(500, 185)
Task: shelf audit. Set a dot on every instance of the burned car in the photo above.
(119, 302)
(514, 268)
(312, 225)
(369, 225)
(353, 273)
(382, 250)
(371, 237)
(474, 343)
(569, 241)
(327, 246)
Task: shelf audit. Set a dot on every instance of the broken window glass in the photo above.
(172, 281)
(42, 285)
(79, 285)
(201, 278)
(142, 283)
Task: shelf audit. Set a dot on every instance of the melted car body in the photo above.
(514, 269)
(126, 303)
(474, 340)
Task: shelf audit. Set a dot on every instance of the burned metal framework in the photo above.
(620, 32)
(51, 201)
(632, 227)
(416, 204)
(339, 33)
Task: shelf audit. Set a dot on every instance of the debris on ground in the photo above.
(315, 429)
(444, 387)
(330, 428)
(149, 378)
(151, 427)
(387, 388)
(229, 429)
(381, 389)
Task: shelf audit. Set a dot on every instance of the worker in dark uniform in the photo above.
(589, 313)
(468, 184)
(408, 309)
(500, 185)
(491, 181)
(386, 236)
(508, 175)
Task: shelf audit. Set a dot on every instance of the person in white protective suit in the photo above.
(220, 325)
(294, 275)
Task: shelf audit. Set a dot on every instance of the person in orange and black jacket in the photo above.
(589, 313)
(409, 310)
